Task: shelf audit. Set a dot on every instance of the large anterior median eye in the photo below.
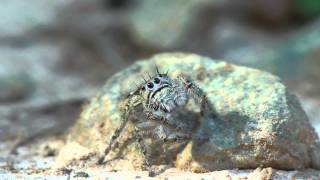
(156, 80)
(150, 85)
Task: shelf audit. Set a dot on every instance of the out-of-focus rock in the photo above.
(18, 17)
(258, 123)
(67, 48)
(164, 24)
(16, 87)
(275, 12)
(237, 42)
(280, 13)
(285, 58)
(311, 106)
(307, 8)
(54, 101)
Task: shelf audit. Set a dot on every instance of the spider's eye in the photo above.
(150, 85)
(160, 75)
(143, 88)
(156, 80)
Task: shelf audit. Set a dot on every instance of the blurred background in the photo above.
(55, 54)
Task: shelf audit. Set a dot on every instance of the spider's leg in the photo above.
(165, 119)
(114, 137)
(139, 135)
(167, 134)
(149, 129)
(125, 116)
(196, 93)
(113, 140)
(164, 131)
(174, 137)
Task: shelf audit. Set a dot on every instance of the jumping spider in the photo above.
(153, 108)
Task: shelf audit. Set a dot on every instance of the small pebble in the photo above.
(81, 174)
(152, 174)
(66, 171)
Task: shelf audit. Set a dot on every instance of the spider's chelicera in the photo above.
(154, 108)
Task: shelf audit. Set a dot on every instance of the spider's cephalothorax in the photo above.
(154, 108)
(163, 94)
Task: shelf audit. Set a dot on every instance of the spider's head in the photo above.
(160, 92)
(156, 83)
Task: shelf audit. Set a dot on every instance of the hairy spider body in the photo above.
(155, 107)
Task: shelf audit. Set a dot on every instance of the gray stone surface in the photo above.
(174, 19)
(259, 122)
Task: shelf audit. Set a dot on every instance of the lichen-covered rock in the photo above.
(259, 122)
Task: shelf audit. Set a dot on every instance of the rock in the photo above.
(297, 51)
(37, 100)
(16, 87)
(296, 61)
(30, 16)
(258, 122)
(282, 11)
(81, 174)
(168, 32)
(307, 9)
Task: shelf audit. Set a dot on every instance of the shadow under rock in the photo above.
(223, 133)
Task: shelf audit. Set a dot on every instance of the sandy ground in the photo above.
(35, 160)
